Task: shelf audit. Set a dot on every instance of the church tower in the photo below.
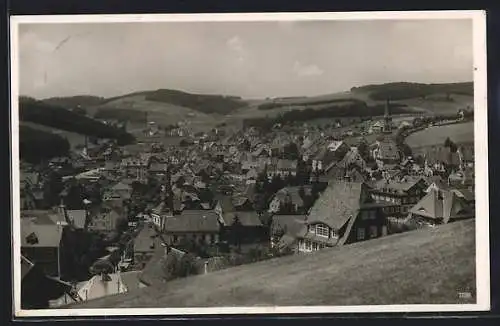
(387, 118)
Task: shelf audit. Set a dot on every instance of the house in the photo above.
(386, 151)
(105, 220)
(376, 127)
(289, 201)
(158, 169)
(41, 243)
(160, 213)
(352, 158)
(285, 230)
(201, 226)
(439, 158)
(344, 213)
(101, 286)
(441, 207)
(242, 203)
(38, 289)
(243, 227)
(462, 179)
(404, 192)
(282, 168)
(78, 218)
(244, 224)
(145, 244)
(120, 191)
(334, 152)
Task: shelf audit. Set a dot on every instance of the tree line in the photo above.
(403, 90)
(39, 112)
(358, 109)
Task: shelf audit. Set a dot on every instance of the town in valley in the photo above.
(169, 196)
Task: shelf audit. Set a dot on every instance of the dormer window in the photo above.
(322, 230)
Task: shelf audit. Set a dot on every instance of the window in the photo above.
(373, 231)
(322, 230)
(315, 246)
(308, 245)
(361, 234)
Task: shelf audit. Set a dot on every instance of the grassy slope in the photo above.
(161, 113)
(165, 113)
(426, 266)
(458, 133)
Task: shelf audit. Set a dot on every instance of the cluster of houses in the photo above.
(212, 194)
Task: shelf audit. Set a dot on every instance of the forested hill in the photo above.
(403, 90)
(204, 103)
(37, 145)
(72, 102)
(39, 112)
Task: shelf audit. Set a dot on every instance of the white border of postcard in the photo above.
(481, 163)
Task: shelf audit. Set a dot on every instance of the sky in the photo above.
(247, 59)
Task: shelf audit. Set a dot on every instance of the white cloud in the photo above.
(306, 70)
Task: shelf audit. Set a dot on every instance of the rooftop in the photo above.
(355, 274)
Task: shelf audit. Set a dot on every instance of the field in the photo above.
(163, 113)
(428, 267)
(458, 133)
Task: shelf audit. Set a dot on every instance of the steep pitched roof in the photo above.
(250, 218)
(338, 203)
(401, 185)
(193, 221)
(442, 204)
(96, 287)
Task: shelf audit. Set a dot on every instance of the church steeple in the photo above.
(387, 118)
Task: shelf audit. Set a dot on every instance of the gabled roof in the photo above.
(96, 287)
(401, 185)
(193, 221)
(250, 218)
(339, 202)
(442, 204)
(293, 193)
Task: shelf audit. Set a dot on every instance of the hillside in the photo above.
(403, 90)
(39, 112)
(36, 145)
(419, 267)
(71, 102)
